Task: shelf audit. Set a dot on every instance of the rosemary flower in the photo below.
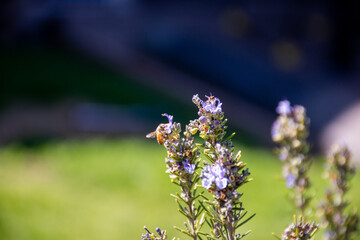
(170, 124)
(214, 176)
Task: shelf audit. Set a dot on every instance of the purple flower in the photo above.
(290, 181)
(284, 153)
(214, 174)
(203, 119)
(189, 168)
(221, 183)
(207, 182)
(212, 105)
(283, 107)
(283, 156)
(275, 131)
(208, 177)
(169, 125)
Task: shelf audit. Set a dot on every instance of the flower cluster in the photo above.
(225, 173)
(339, 168)
(214, 177)
(299, 230)
(290, 125)
(340, 226)
(182, 154)
(210, 123)
(290, 130)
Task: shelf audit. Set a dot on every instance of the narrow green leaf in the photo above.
(202, 220)
(199, 145)
(238, 209)
(180, 198)
(202, 233)
(183, 213)
(242, 215)
(210, 223)
(174, 196)
(206, 210)
(200, 211)
(247, 233)
(276, 236)
(201, 194)
(242, 223)
(181, 207)
(229, 137)
(183, 231)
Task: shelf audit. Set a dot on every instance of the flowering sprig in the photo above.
(338, 224)
(223, 174)
(299, 230)
(290, 130)
(182, 161)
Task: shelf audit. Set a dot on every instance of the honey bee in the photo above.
(188, 153)
(222, 196)
(158, 134)
(164, 129)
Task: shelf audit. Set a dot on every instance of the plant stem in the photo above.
(191, 216)
(230, 229)
(192, 221)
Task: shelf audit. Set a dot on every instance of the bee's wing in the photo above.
(151, 135)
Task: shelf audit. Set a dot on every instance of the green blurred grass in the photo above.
(110, 188)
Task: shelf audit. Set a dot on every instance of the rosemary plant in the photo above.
(338, 224)
(290, 130)
(221, 174)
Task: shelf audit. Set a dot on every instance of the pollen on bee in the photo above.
(160, 138)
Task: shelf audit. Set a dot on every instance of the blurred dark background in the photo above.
(74, 68)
